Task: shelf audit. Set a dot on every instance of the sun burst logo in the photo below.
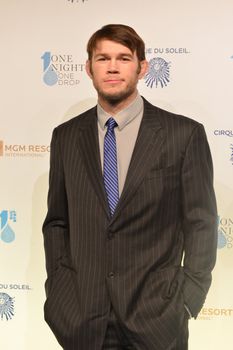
(6, 306)
(231, 147)
(159, 72)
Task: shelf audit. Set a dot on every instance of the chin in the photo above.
(116, 98)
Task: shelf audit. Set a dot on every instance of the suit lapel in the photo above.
(89, 145)
(149, 142)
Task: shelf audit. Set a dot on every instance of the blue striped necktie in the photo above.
(110, 172)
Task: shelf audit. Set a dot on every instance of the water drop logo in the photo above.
(7, 234)
(159, 73)
(50, 76)
(6, 306)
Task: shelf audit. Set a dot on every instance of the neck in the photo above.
(115, 107)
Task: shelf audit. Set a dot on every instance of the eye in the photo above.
(102, 58)
(125, 59)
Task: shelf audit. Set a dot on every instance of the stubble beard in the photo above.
(116, 98)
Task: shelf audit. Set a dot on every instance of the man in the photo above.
(130, 198)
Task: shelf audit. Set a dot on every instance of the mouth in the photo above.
(113, 81)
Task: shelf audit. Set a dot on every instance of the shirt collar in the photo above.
(124, 117)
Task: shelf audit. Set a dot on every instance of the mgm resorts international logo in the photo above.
(6, 306)
(225, 232)
(61, 69)
(7, 218)
(19, 150)
(209, 313)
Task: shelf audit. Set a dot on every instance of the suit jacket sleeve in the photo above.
(199, 220)
(55, 227)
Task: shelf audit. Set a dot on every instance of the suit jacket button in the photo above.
(110, 235)
(111, 274)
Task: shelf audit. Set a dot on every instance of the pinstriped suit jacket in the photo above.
(132, 260)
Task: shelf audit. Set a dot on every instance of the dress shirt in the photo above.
(128, 121)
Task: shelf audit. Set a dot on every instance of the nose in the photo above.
(113, 66)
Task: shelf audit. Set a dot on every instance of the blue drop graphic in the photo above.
(3, 218)
(221, 240)
(7, 234)
(50, 77)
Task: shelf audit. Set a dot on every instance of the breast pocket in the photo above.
(168, 178)
(169, 171)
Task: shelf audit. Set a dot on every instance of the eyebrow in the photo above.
(118, 55)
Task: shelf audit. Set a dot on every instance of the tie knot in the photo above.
(111, 123)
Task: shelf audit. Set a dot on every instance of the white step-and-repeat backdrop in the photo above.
(43, 83)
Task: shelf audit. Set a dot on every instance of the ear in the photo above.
(88, 68)
(144, 68)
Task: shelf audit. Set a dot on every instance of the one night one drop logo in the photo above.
(61, 69)
(225, 230)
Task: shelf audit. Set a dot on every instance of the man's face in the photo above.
(115, 71)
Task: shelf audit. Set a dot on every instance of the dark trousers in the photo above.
(116, 339)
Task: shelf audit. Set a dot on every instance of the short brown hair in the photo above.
(121, 34)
